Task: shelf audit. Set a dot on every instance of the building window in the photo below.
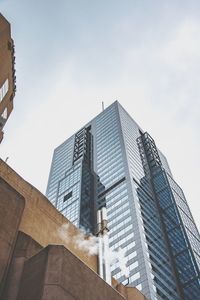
(135, 277)
(66, 197)
(5, 113)
(3, 90)
(139, 287)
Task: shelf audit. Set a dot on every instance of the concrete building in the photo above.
(7, 73)
(36, 262)
(112, 162)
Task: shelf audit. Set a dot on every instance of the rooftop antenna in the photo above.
(102, 106)
(6, 159)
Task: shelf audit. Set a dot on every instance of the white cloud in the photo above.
(182, 50)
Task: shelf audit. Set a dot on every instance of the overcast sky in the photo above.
(71, 55)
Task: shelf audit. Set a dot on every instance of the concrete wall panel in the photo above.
(11, 210)
(25, 247)
(55, 273)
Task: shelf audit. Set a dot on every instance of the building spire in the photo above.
(102, 105)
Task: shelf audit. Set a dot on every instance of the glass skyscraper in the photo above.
(112, 162)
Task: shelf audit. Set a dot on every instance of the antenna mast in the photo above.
(102, 105)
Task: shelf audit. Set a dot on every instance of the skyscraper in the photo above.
(112, 162)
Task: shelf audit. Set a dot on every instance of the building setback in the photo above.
(7, 73)
(112, 162)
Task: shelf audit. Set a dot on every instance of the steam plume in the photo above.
(82, 241)
(119, 256)
(63, 232)
(89, 244)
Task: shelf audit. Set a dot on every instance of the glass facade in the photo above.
(111, 162)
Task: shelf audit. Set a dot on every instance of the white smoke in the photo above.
(81, 240)
(90, 245)
(123, 261)
(63, 232)
(120, 258)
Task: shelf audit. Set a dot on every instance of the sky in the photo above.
(72, 55)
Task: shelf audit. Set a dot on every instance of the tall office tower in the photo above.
(7, 73)
(112, 162)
